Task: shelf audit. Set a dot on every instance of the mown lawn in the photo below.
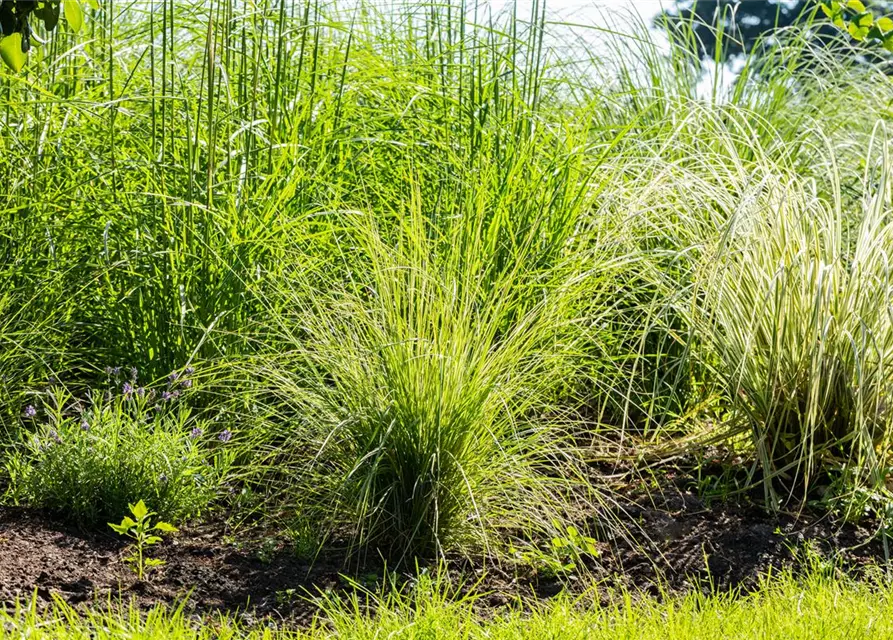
(820, 608)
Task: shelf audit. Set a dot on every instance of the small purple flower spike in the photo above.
(127, 388)
(85, 425)
(30, 411)
(186, 383)
(225, 436)
(196, 433)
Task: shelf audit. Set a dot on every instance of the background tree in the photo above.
(744, 25)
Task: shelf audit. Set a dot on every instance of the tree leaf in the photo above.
(865, 20)
(856, 31)
(50, 16)
(11, 51)
(73, 14)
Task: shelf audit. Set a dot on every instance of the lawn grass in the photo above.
(819, 608)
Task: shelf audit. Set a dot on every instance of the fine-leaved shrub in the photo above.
(88, 460)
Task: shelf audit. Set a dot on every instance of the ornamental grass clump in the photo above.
(416, 400)
(88, 460)
(797, 308)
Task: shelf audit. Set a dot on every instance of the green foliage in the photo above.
(429, 263)
(860, 22)
(88, 460)
(796, 309)
(817, 606)
(565, 554)
(416, 384)
(140, 529)
(16, 32)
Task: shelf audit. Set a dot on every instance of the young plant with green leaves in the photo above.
(144, 534)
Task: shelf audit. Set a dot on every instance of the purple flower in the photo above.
(113, 371)
(186, 383)
(196, 433)
(189, 370)
(127, 388)
(225, 436)
(141, 392)
(85, 425)
(134, 373)
(173, 376)
(55, 436)
(30, 411)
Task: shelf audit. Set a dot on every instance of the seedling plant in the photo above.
(140, 529)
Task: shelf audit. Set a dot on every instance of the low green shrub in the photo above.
(88, 460)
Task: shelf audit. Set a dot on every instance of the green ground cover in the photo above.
(824, 608)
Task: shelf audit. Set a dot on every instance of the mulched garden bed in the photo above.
(675, 542)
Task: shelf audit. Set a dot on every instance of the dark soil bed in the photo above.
(675, 542)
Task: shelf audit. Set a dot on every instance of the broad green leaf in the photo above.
(153, 540)
(166, 527)
(865, 20)
(855, 5)
(885, 24)
(11, 51)
(73, 14)
(888, 44)
(94, 4)
(139, 510)
(50, 16)
(827, 10)
(856, 31)
(154, 562)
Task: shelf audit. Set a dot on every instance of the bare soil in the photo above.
(675, 542)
